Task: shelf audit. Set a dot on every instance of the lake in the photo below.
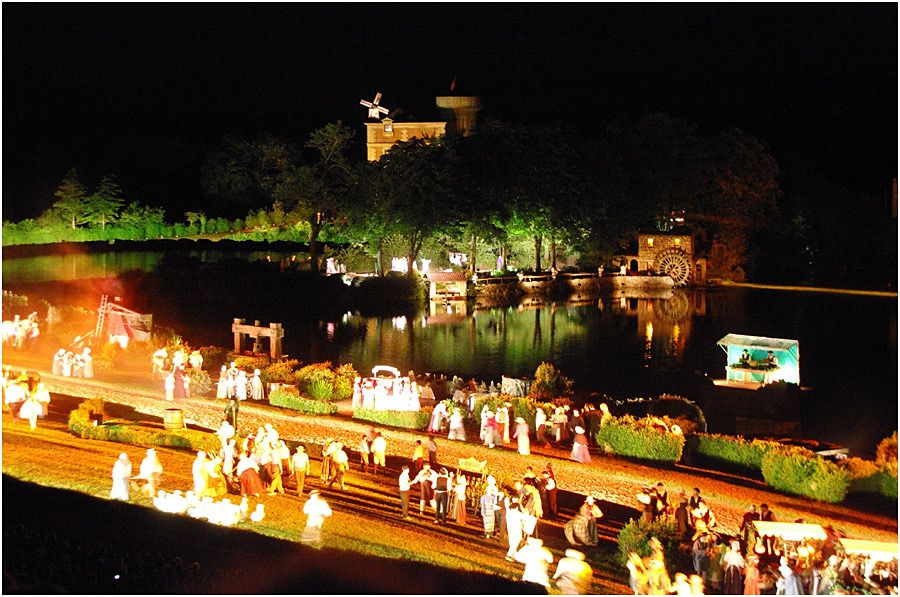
(615, 345)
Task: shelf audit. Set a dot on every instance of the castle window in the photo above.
(388, 128)
(677, 242)
(650, 241)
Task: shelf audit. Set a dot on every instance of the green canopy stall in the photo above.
(755, 369)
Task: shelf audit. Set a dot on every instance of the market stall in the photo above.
(755, 359)
(879, 551)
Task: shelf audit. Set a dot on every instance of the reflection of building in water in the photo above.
(663, 323)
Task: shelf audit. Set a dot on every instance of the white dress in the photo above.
(222, 386)
(241, 386)
(120, 474)
(521, 436)
(256, 388)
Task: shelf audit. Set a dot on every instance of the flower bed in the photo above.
(627, 436)
(396, 418)
(289, 397)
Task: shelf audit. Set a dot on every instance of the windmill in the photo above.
(375, 111)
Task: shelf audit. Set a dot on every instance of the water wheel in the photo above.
(675, 309)
(676, 264)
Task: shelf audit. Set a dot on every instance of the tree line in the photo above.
(525, 194)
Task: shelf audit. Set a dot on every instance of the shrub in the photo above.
(316, 381)
(799, 471)
(344, 376)
(201, 383)
(868, 477)
(283, 371)
(396, 418)
(549, 383)
(635, 537)
(678, 407)
(886, 453)
(319, 389)
(289, 398)
(251, 363)
(626, 436)
(736, 450)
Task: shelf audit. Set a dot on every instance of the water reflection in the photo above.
(596, 340)
(84, 265)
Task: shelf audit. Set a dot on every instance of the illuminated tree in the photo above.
(413, 184)
(72, 199)
(104, 205)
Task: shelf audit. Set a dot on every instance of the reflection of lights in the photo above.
(345, 317)
(649, 331)
(676, 333)
(622, 302)
(399, 323)
(329, 330)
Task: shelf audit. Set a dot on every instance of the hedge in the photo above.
(801, 472)
(80, 424)
(867, 476)
(626, 436)
(735, 450)
(289, 398)
(396, 418)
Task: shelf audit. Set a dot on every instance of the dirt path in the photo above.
(614, 480)
(366, 514)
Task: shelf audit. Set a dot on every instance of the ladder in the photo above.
(101, 317)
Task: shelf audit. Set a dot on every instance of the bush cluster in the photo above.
(801, 472)
(319, 381)
(867, 476)
(635, 537)
(289, 397)
(735, 450)
(549, 383)
(638, 438)
(81, 424)
(396, 418)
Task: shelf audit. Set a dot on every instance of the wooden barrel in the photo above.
(174, 418)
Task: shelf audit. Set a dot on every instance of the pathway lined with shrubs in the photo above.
(611, 479)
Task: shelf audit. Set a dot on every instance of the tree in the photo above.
(316, 192)
(72, 202)
(103, 206)
(413, 182)
(243, 173)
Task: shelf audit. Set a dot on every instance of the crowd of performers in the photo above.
(174, 370)
(564, 426)
(18, 332)
(25, 396)
(747, 564)
(70, 364)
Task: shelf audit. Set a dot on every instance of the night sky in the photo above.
(145, 91)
